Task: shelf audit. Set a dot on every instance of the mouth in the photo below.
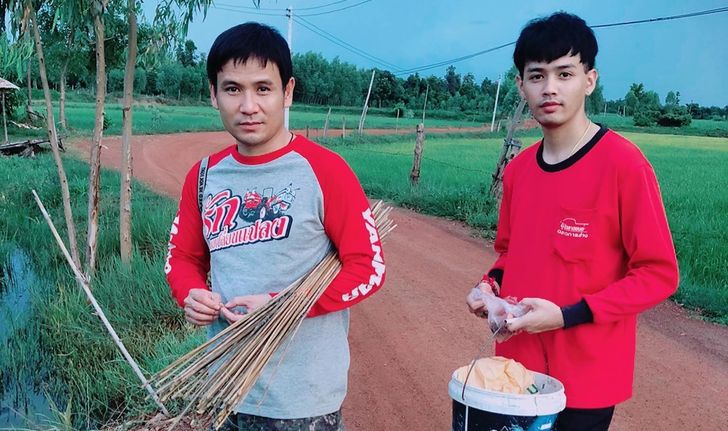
(549, 107)
(249, 125)
(549, 104)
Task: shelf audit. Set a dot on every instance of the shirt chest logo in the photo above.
(230, 220)
(571, 228)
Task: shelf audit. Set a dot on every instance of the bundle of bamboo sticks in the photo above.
(217, 376)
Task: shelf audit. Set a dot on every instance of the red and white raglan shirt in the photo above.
(265, 222)
(589, 234)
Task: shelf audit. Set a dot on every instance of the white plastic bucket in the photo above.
(482, 410)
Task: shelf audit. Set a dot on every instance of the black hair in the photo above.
(250, 40)
(546, 39)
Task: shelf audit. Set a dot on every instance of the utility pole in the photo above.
(289, 14)
(495, 107)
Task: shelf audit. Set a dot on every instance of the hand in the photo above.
(202, 307)
(250, 302)
(475, 304)
(543, 316)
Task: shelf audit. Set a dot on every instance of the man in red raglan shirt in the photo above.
(261, 214)
(582, 235)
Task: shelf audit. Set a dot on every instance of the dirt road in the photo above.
(408, 338)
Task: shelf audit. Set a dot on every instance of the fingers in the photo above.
(543, 316)
(202, 307)
(230, 315)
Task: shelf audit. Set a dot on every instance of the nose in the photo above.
(549, 85)
(248, 103)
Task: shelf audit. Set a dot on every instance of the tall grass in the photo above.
(455, 176)
(84, 363)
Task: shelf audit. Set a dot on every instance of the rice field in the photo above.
(455, 176)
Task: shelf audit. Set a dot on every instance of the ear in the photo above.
(592, 77)
(519, 83)
(288, 93)
(213, 96)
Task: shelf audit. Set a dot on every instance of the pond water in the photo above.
(23, 402)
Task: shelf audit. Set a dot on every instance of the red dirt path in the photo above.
(407, 339)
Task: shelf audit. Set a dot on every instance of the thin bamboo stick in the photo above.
(219, 374)
(84, 285)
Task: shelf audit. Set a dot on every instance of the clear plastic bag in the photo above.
(499, 309)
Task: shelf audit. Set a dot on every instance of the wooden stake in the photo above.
(419, 143)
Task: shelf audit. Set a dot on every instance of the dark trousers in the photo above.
(243, 422)
(584, 419)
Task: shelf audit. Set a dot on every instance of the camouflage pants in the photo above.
(243, 422)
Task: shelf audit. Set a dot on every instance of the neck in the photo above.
(280, 140)
(562, 141)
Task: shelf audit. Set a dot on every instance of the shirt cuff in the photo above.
(497, 275)
(577, 314)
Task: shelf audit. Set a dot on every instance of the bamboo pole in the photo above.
(84, 285)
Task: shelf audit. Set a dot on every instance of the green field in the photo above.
(456, 174)
(151, 117)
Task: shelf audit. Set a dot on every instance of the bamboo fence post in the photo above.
(326, 123)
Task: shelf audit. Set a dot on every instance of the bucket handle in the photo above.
(480, 352)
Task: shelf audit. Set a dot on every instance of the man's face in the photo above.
(252, 101)
(555, 91)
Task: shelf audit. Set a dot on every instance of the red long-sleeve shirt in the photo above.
(592, 228)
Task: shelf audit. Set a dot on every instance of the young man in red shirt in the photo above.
(582, 235)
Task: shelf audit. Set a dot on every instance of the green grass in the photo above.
(82, 360)
(153, 118)
(696, 128)
(455, 175)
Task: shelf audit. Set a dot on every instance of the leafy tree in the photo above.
(186, 53)
(672, 99)
(453, 80)
(595, 101)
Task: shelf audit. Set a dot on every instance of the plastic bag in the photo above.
(499, 309)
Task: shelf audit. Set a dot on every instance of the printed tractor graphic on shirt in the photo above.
(268, 205)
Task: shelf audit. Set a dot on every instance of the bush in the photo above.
(645, 117)
(674, 117)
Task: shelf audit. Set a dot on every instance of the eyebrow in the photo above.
(225, 82)
(541, 69)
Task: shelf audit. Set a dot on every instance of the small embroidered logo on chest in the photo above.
(571, 228)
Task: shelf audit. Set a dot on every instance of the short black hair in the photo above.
(250, 40)
(546, 39)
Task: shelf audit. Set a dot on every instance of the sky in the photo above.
(687, 55)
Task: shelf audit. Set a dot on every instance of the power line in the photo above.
(359, 51)
(453, 60)
(252, 8)
(667, 18)
(252, 12)
(341, 43)
(336, 10)
(616, 24)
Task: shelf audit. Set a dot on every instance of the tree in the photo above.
(595, 101)
(453, 80)
(672, 99)
(25, 11)
(186, 54)
(97, 14)
(125, 241)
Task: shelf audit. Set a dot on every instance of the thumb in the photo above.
(530, 302)
(516, 324)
